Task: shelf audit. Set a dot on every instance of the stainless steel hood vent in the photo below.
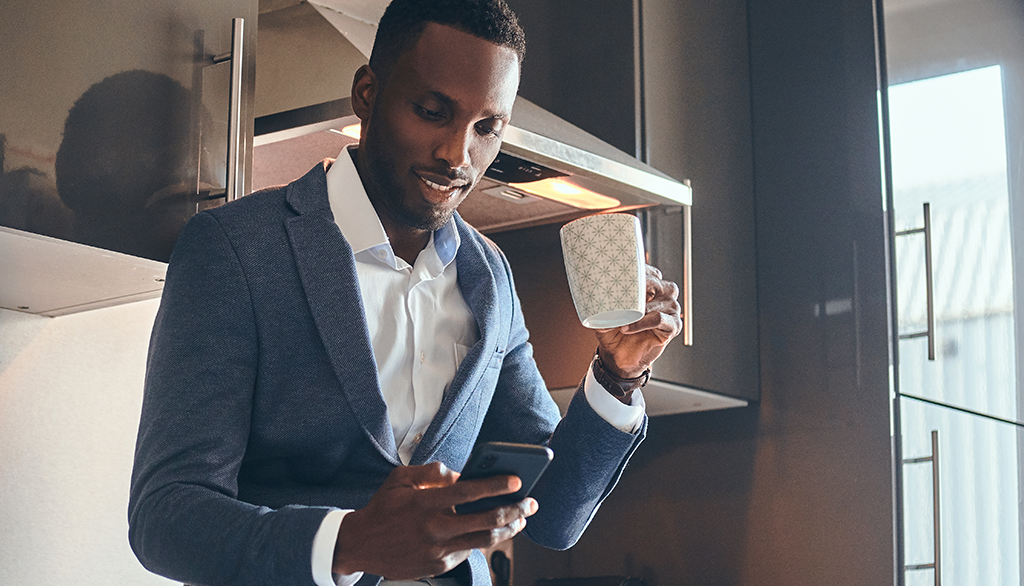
(537, 145)
(289, 143)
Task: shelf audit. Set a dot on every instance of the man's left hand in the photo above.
(629, 350)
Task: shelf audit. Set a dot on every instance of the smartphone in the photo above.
(500, 458)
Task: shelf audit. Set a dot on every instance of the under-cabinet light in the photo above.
(352, 130)
(560, 190)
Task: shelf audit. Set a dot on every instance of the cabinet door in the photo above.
(114, 122)
(956, 120)
(979, 495)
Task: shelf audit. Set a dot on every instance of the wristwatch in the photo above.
(618, 387)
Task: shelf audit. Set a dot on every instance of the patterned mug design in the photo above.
(604, 257)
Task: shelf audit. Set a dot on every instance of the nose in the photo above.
(454, 147)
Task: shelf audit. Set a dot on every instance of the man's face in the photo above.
(435, 126)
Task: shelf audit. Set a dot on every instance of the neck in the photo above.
(406, 241)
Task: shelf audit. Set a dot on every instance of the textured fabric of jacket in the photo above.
(263, 410)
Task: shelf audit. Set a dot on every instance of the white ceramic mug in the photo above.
(604, 261)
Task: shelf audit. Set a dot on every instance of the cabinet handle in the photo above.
(687, 276)
(233, 187)
(929, 292)
(934, 459)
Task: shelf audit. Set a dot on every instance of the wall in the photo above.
(70, 398)
(796, 490)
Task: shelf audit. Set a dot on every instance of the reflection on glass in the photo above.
(127, 173)
(123, 164)
(949, 149)
(979, 497)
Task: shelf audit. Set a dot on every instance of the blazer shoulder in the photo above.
(305, 194)
(265, 203)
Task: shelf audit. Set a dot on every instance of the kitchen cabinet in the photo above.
(957, 132)
(796, 490)
(975, 467)
(119, 121)
(955, 122)
(681, 103)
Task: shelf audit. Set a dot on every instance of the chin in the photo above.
(435, 222)
(431, 220)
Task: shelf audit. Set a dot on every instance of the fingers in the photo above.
(468, 491)
(410, 529)
(653, 271)
(496, 525)
(434, 475)
(662, 319)
(657, 286)
(630, 349)
(662, 298)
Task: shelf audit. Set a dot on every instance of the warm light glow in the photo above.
(560, 190)
(352, 131)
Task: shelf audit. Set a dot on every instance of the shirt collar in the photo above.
(359, 223)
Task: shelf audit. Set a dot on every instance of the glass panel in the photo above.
(110, 127)
(949, 150)
(921, 578)
(979, 496)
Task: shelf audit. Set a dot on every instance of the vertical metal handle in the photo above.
(687, 276)
(929, 288)
(937, 540)
(935, 506)
(234, 184)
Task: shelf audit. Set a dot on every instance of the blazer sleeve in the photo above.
(185, 521)
(590, 453)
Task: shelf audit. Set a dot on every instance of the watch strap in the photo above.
(618, 387)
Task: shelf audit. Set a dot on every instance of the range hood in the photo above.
(537, 145)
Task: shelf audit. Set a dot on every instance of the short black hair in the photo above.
(404, 20)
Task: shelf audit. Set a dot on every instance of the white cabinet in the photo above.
(976, 471)
(955, 105)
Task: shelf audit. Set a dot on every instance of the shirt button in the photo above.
(418, 438)
(382, 254)
(423, 357)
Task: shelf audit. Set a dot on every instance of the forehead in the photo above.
(474, 73)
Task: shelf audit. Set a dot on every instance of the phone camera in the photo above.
(488, 462)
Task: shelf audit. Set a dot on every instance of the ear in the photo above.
(364, 92)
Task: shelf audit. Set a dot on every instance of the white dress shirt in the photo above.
(420, 330)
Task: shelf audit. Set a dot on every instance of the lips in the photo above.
(440, 187)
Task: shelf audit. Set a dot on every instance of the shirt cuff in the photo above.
(627, 418)
(322, 557)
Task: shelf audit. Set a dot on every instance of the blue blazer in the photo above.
(263, 410)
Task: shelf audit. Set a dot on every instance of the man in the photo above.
(327, 353)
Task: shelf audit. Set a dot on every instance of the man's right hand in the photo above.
(410, 529)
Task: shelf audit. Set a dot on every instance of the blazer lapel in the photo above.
(328, 273)
(479, 289)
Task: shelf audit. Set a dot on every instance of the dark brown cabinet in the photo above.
(119, 121)
(674, 92)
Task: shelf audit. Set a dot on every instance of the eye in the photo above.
(488, 129)
(428, 114)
